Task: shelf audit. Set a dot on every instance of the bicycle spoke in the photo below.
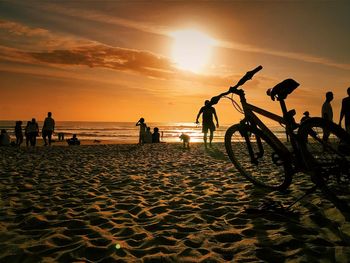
(264, 166)
(329, 159)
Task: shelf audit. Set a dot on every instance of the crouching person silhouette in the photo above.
(73, 141)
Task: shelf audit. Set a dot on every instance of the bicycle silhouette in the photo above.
(268, 161)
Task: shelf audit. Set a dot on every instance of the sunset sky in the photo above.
(122, 60)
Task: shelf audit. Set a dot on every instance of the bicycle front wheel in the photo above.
(257, 158)
(327, 153)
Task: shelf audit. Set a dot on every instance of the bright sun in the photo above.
(191, 49)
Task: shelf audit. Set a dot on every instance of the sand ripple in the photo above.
(156, 203)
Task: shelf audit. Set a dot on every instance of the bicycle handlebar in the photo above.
(249, 75)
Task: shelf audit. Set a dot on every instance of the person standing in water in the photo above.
(207, 121)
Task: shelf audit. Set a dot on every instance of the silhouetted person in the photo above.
(148, 135)
(327, 112)
(207, 121)
(4, 138)
(185, 140)
(155, 135)
(143, 127)
(18, 133)
(305, 117)
(26, 133)
(33, 132)
(345, 111)
(48, 128)
(73, 141)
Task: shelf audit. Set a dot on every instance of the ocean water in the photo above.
(127, 132)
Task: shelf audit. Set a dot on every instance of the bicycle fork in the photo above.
(253, 156)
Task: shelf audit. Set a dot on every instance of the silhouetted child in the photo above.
(185, 140)
(73, 141)
(143, 127)
(4, 138)
(155, 135)
(148, 135)
(305, 117)
(18, 133)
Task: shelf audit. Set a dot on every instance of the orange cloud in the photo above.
(55, 50)
(115, 58)
(22, 30)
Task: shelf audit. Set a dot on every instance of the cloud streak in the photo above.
(22, 30)
(98, 55)
(290, 55)
(162, 30)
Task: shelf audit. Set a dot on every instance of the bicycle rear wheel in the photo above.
(266, 166)
(328, 158)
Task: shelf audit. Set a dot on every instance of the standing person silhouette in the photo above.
(19, 133)
(327, 112)
(48, 128)
(33, 131)
(26, 133)
(143, 127)
(345, 111)
(207, 121)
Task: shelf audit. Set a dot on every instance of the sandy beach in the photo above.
(155, 203)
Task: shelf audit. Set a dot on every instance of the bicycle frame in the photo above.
(253, 119)
(250, 117)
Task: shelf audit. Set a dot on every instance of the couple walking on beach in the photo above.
(145, 133)
(32, 131)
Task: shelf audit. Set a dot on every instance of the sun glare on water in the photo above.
(191, 49)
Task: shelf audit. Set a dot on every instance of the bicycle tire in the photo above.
(328, 160)
(271, 170)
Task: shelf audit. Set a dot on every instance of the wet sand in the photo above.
(155, 203)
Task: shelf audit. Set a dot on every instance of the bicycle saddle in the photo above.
(283, 89)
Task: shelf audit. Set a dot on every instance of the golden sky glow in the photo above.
(120, 60)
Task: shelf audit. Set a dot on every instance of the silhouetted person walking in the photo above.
(18, 133)
(33, 131)
(48, 128)
(345, 111)
(207, 121)
(327, 112)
